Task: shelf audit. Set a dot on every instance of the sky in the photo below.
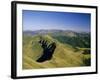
(37, 20)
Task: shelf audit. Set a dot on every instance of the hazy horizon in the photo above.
(56, 30)
(46, 20)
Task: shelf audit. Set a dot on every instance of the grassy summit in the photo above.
(64, 55)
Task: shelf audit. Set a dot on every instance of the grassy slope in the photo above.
(64, 55)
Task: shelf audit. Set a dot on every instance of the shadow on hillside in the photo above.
(87, 62)
(48, 50)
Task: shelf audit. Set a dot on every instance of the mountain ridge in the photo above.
(54, 31)
(64, 55)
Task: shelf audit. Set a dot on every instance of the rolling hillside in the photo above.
(65, 55)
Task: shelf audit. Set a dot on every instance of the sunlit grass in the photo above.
(64, 54)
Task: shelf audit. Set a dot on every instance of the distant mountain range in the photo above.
(75, 39)
(61, 32)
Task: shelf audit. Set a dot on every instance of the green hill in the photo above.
(64, 55)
